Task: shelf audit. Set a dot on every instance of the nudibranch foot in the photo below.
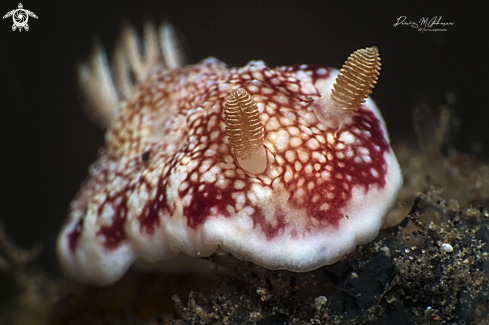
(205, 157)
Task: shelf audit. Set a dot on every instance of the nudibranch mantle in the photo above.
(166, 180)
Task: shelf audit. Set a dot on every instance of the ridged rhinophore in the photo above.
(356, 79)
(243, 124)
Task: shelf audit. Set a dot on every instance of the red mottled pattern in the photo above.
(167, 145)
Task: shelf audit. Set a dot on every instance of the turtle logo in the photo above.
(20, 17)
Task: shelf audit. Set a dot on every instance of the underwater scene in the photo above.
(244, 162)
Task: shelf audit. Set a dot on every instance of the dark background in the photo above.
(47, 144)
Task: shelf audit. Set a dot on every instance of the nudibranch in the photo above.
(266, 163)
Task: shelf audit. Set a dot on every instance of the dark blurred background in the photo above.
(47, 143)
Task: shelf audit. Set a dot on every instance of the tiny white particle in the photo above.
(366, 159)
(447, 247)
(374, 172)
(340, 155)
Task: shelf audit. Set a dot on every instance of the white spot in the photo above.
(374, 172)
(293, 87)
(182, 187)
(330, 138)
(253, 88)
(297, 166)
(210, 152)
(288, 174)
(325, 175)
(206, 164)
(308, 168)
(321, 71)
(310, 186)
(108, 213)
(295, 142)
(321, 139)
(303, 155)
(299, 193)
(347, 137)
(285, 121)
(222, 183)
(340, 146)
(324, 207)
(273, 124)
(319, 157)
(340, 155)
(229, 159)
(366, 159)
(290, 156)
(293, 131)
(282, 141)
(214, 135)
(209, 177)
(363, 151)
(229, 173)
(312, 144)
(239, 198)
(280, 98)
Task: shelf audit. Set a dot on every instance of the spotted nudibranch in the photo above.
(171, 177)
